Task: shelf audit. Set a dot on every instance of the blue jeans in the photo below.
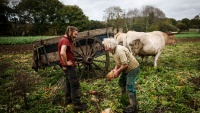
(127, 81)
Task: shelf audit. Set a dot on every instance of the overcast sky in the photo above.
(177, 9)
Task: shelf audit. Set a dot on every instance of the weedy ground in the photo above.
(173, 86)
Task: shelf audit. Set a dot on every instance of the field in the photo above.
(172, 87)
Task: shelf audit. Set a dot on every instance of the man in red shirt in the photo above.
(66, 55)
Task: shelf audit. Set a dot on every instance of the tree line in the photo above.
(147, 18)
(50, 17)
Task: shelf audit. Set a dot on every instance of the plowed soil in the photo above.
(16, 48)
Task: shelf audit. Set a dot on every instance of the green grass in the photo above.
(191, 34)
(21, 39)
(30, 39)
(172, 87)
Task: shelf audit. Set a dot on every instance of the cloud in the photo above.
(177, 9)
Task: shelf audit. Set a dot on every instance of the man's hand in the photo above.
(69, 63)
(116, 73)
(64, 68)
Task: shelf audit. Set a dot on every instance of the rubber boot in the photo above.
(68, 101)
(80, 107)
(124, 98)
(77, 104)
(133, 104)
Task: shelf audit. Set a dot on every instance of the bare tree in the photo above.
(148, 16)
(151, 15)
(159, 13)
(114, 16)
(132, 15)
